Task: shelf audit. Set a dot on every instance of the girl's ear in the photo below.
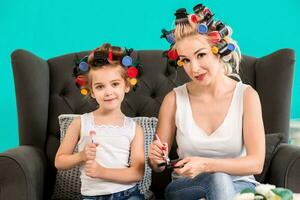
(127, 88)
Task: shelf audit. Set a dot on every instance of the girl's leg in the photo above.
(213, 186)
(129, 194)
(90, 198)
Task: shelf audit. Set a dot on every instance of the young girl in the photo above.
(111, 145)
(217, 120)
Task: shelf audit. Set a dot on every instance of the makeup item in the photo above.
(166, 157)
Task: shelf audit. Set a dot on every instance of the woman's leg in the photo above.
(213, 186)
(220, 186)
(240, 185)
(186, 188)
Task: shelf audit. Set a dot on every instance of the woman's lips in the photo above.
(200, 77)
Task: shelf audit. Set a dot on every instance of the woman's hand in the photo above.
(93, 169)
(89, 152)
(157, 152)
(192, 166)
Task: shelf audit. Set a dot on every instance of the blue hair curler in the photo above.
(83, 66)
(168, 35)
(126, 61)
(202, 28)
(227, 49)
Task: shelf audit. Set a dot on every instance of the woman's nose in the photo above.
(195, 66)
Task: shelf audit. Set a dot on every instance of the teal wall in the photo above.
(50, 28)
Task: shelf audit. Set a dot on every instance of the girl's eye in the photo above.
(115, 84)
(201, 55)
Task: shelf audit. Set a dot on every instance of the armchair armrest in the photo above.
(284, 169)
(22, 172)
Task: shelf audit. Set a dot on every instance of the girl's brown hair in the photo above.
(117, 54)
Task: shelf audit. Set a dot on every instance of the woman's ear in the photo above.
(92, 93)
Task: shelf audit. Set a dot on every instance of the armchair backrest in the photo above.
(46, 89)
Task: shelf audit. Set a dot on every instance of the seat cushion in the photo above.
(68, 184)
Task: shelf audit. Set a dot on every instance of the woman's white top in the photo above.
(113, 151)
(225, 142)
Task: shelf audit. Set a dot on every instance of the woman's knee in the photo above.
(184, 189)
(220, 177)
(220, 185)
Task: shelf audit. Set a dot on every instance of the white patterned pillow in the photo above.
(67, 185)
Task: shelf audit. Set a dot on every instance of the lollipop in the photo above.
(92, 135)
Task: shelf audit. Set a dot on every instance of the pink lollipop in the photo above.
(92, 134)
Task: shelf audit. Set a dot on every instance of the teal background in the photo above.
(51, 28)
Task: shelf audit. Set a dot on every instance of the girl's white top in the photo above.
(113, 151)
(225, 142)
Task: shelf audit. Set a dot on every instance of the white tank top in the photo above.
(225, 142)
(113, 152)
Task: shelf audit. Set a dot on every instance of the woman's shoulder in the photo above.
(249, 92)
(179, 89)
(251, 97)
(170, 97)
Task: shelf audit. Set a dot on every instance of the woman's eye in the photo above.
(185, 61)
(99, 87)
(201, 55)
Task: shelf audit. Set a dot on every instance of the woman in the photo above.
(216, 121)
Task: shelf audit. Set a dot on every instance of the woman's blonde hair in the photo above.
(230, 62)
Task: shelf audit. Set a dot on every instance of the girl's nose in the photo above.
(108, 92)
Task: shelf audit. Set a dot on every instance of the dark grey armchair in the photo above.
(46, 89)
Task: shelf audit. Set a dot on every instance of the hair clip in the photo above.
(172, 54)
(110, 55)
(126, 61)
(205, 23)
(214, 36)
(198, 9)
(223, 48)
(180, 63)
(206, 11)
(100, 58)
(222, 29)
(181, 16)
(168, 35)
(83, 65)
(194, 18)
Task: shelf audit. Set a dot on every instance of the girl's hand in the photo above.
(157, 152)
(192, 166)
(89, 152)
(93, 169)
